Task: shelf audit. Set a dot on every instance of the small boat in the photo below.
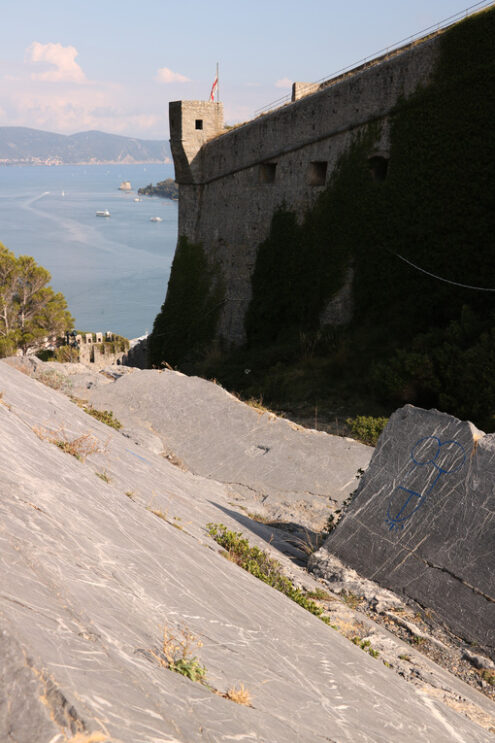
(137, 199)
(103, 213)
(125, 186)
(156, 219)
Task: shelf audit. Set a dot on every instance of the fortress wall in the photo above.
(225, 202)
(349, 103)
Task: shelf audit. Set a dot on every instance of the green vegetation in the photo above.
(105, 416)
(366, 646)
(488, 675)
(29, 309)
(167, 189)
(366, 428)
(262, 566)
(176, 654)
(186, 324)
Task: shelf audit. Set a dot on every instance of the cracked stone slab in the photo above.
(90, 575)
(422, 521)
(295, 473)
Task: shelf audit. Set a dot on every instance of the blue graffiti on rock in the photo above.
(434, 456)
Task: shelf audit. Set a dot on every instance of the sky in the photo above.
(73, 65)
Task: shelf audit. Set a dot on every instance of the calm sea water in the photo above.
(112, 271)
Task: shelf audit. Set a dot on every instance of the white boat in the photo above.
(103, 213)
(137, 198)
(156, 219)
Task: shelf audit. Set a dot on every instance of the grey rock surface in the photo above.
(422, 520)
(92, 570)
(295, 473)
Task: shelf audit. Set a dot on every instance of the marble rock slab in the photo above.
(92, 569)
(423, 520)
(296, 473)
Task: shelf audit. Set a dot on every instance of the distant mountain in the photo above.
(23, 146)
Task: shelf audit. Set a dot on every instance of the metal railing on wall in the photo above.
(383, 53)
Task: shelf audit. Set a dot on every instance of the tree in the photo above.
(29, 309)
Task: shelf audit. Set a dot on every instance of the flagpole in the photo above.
(218, 86)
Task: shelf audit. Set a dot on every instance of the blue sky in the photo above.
(113, 65)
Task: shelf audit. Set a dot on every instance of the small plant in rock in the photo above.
(176, 653)
(488, 675)
(103, 476)
(257, 404)
(262, 566)
(79, 447)
(366, 646)
(351, 599)
(105, 416)
(239, 695)
(156, 511)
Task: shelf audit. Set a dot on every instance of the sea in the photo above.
(113, 271)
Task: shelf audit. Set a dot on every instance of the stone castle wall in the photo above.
(230, 185)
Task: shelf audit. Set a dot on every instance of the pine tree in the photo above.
(29, 309)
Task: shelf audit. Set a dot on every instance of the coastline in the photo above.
(56, 163)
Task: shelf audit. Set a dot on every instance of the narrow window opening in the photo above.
(317, 173)
(267, 172)
(378, 166)
(199, 123)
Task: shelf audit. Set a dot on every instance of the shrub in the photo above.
(262, 566)
(366, 428)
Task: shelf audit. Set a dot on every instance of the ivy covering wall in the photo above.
(187, 321)
(423, 340)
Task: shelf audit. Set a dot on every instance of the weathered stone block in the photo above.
(422, 521)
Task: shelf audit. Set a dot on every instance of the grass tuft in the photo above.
(103, 476)
(105, 416)
(239, 695)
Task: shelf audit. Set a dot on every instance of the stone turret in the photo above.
(192, 124)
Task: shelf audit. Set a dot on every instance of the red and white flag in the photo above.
(212, 94)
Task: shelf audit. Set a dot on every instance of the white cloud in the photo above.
(164, 75)
(69, 108)
(283, 83)
(59, 62)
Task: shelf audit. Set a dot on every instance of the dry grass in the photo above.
(104, 476)
(309, 543)
(239, 695)
(156, 511)
(260, 518)
(79, 447)
(51, 378)
(2, 402)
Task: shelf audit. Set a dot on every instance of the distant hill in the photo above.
(23, 146)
